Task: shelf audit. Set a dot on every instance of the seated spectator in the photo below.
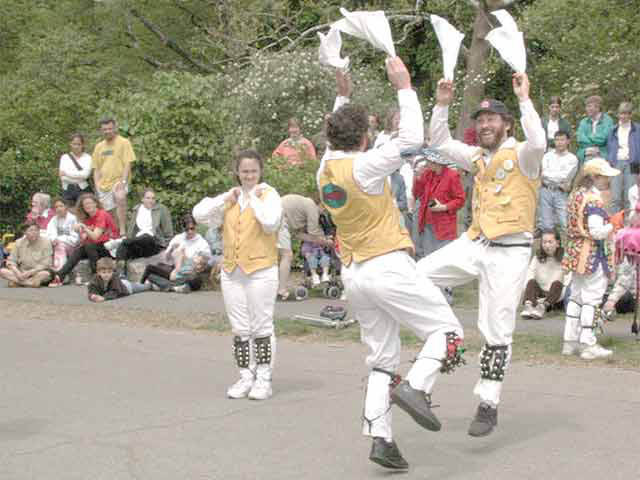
(559, 167)
(181, 265)
(74, 170)
(295, 149)
(41, 211)
(622, 298)
(105, 285)
(61, 233)
(30, 261)
(441, 195)
(545, 278)
(96, 228)
(148, 232)
(214, 239)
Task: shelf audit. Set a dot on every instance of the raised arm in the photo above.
(531, 151)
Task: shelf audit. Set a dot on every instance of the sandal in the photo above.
(56, 282)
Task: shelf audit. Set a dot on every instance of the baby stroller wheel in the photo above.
(301, 293)
(332, 292)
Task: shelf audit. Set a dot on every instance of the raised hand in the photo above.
(521, 86)
(398, 73)
(343, 83)
(444, 92)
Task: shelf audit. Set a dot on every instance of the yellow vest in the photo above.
(367, 225)
(245, 243)
(504, 198)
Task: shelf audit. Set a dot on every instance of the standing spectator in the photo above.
(96, 228)
(545, 277)
(441, 196)
(150, 229)
(295, 149)
(554, 122)
(373, 131)
(41, 212)
(74, 170)
(61, 233)
(624, 155)
(469, 137)
(559, 167)
(593, 131)
(251, 216)
(111, 162)
(589, 256)
(30, 261)
(391, 124)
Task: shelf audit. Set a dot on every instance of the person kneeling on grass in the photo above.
(106, 286)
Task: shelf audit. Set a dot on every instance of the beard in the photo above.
(494, 143)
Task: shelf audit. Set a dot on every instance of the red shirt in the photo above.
(292, 150)
(102, 219)
(42, 220)
(447, 189)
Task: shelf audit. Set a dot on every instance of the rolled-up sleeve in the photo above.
(440, 138)
(531, 151)
(210, 211)
(268, 209)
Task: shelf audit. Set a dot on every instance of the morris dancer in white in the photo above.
(381, 279)
(497, 247)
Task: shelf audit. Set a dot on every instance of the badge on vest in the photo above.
(499, 188)
(501, 174)
(334, 196)
(508, 165)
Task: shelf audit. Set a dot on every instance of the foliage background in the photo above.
(192, 81)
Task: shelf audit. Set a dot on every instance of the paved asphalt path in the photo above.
(101, 400)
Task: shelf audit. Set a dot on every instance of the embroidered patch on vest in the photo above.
(334, 196)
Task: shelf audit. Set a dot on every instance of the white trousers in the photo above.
(384, 293)
(501, 274)
(249, 301)
(586, 296)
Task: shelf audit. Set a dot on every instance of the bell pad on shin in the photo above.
(241, 352)
(453, 357)
(493, 362)
(263, 352)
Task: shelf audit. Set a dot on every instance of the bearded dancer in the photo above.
(380, 275)
(497, 247)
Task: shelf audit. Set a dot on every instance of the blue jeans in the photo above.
(552, 203)
(620, 185)
(133, 287)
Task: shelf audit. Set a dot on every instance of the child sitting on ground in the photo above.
(315, 255)
(545, 277)
(105, 285)
(187, 275)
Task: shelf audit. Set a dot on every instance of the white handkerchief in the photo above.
(329, 51)
(450, 40)
(508, 41)
(371, 26)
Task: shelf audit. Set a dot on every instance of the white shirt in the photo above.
(623, 141)
(371, 168)
(191, 246)
(70, 174)
(268, 210)
(633, 200)
(559, 169)
(143, 221)
(406, 171)
(552, 127)
(530, 152)
(61, 229)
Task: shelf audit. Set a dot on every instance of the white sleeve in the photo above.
(597, 228)
(268, 211)
(73, 238)
(530, 152)
(440, 137)
(203, 246)
(531, 271)
(52, 229)
(210, 211)
(370, 168)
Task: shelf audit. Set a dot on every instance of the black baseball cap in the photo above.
(490, 105)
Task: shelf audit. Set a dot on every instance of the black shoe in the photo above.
(486, 418)
(387, 455)
(417, 404)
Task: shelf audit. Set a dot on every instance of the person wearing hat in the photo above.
(380, 275)
(589, 255)
(496, 249)
(441, 196)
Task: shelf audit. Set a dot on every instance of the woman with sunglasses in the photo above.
(250, 215)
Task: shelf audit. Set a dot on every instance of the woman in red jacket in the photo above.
(441, 195)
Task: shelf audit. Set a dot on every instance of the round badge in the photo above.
(498, 188)
(333, 196)
(508, 165)
(501, 174)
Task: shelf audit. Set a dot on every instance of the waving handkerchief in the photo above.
(450, 40)
(508, 41)
(370, 26)
(329, 51)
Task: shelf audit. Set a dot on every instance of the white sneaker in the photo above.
(325, 277)
(261, 390)
(315, 279)
(595, 351)
(570, 348)
(241, 388)
(527, 311)
(538, 311)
